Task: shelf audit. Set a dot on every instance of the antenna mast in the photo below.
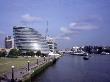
(46, 34)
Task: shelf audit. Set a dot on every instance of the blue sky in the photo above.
(70, 22)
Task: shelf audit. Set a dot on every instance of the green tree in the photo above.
(30, 53)
(3, 53)
(38, 53)
(14, 53)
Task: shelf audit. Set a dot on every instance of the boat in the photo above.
(79, 53)
(105, 53)
(86, 57)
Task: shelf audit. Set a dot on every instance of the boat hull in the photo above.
(86, 57)
(79, 54)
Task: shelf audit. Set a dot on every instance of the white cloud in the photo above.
(62, 38)
(29, 18)
(75, 28)
(65, 30)
(82, 26)
(72, 24)
(67, 38)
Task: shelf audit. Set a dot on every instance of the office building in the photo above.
(9, 42)
(52, 44)
(29, 39)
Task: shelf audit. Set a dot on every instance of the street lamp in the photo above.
(12, 67)
(28, 65)
(37, 60)
(44, 58)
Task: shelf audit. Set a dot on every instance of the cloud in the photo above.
(82, 26)
(62, 38)
(65, 30)
(67, 38)
(28, 18)
(72, 24)
(75, 28)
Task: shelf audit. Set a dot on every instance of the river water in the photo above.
(71, 68)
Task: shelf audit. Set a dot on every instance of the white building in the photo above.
(27, 38)
(52, 44)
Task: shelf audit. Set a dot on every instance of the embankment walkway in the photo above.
(20, 74)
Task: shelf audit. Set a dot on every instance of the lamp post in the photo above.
(12, 67)
(28, 65)
(37, 61)
(44, 58)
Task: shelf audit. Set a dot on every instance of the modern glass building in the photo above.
(29, 39)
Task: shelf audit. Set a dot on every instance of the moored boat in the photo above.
(86, 57)
(79, 53)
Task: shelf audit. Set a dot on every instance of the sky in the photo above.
(70, 22)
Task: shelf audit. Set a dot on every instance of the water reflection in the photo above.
(74, 69)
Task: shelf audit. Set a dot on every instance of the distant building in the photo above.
(4, 49)
(9, 42)
(52, 44)
(29, 39)
(75, 48)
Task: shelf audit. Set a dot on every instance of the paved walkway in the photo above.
(21, 73)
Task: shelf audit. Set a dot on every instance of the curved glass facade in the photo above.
(28, 39)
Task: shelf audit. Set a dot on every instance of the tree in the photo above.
(100, 50)
(14, 53)
(3, 53)
(87, 49)
(38, 53)
(107, 50)
(30, 53)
